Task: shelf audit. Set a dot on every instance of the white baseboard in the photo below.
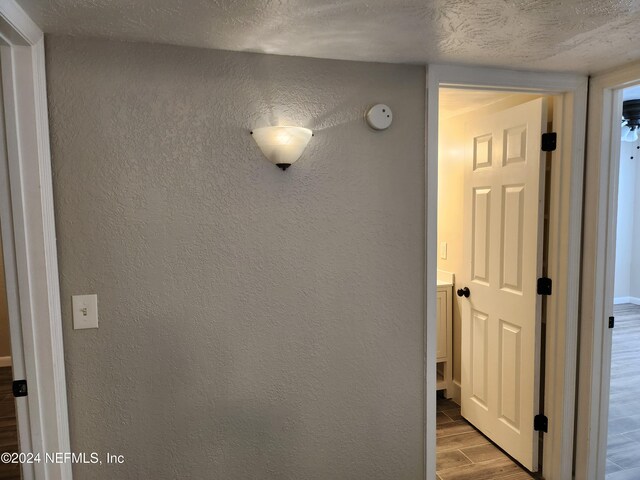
(5, 361)
(632, 300)
(456, 394)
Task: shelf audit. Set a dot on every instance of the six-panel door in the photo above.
(504, 195)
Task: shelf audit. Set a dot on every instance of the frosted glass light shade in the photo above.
(629, 135)
(625, 132)
(282, 145)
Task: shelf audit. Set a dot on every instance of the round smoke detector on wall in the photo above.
(379, 117)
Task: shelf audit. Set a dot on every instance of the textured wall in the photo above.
(254, 323)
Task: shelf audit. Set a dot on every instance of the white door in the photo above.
(501, 318)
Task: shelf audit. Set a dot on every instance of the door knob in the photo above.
(464, 292)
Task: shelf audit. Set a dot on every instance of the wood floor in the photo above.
(8, 429)
(463, 453)
(623, 450)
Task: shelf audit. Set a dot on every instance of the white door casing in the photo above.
(598, 267)
(565, 195)
(501, 320)
(28, 230)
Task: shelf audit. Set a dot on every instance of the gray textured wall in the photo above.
(254, 323)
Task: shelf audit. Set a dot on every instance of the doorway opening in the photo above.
(623, 424)
(9, 441)
(492, 177)
(564, 222)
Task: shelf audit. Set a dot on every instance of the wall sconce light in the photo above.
(282, 145)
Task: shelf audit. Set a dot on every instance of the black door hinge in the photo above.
(20, 388)
(544, 286)
(549, 141)
(612, 321)
(540, 423)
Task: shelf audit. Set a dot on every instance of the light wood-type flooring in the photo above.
(463, 453)
(623, 450)
(8, 429)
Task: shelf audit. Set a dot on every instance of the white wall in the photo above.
(627, 188)
(254, 323)
(627, 274)
(634, 274)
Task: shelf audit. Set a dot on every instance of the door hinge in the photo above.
(540, 423)
(544, 286)
(612, 321)
(20, 388)
(549, 141)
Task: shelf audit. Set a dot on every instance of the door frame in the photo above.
(29, 238)
(601, 208)
(565, 229)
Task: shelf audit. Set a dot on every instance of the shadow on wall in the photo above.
(280, 107)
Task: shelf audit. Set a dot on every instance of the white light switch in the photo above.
(443, 250)
(85, 311)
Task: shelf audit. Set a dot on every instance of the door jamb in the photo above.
(601, 201)
(29, 234)
(564, 249)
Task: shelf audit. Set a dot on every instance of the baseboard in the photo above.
(621, 300)
(5, 361)
(456, 394)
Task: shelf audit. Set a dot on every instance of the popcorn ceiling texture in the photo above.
(254, 323)
(563, 35)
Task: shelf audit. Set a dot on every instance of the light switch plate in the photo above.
(443, 250)
(85, 311)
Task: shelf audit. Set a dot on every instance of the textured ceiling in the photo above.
(561, 35)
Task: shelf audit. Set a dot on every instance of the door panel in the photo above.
(480, 359)
(503, 207)
(515, 145)
(481, 234)
(482, 152)
(509, 388)
(511, 239)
